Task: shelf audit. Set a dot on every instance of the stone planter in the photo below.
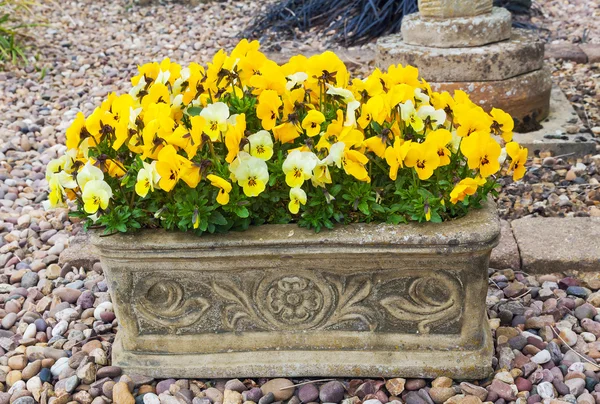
(278, 300)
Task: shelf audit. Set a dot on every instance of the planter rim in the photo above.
(479, 228)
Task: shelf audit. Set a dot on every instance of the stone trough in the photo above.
(277, 300)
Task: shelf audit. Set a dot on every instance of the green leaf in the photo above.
(364, 208)
(242, 212)
(217, 217)
(194, 111)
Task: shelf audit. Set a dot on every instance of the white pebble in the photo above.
(588, 336)
(34, 385)
(541, 357)
(30, 331)
(102, 307)
(577, 367)
(60, 328)
(151, 398)
(546, 390)
(17, 386)
(60, 365)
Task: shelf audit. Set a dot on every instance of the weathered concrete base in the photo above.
(525, 97)
(457, 32)
(522, 53)
(423, 362)
(554, 135)
(549, 244)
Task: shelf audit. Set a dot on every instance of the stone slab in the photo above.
(469, 365)
(522, 53)
(592, 50)
(362, 300)
(457, 32)
(454, 8)
(80, 253)
(550, 244)
(506, 253)
(554, 136)
(565, 51)
(525, 97)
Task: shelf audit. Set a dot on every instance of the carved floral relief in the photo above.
(428, 301)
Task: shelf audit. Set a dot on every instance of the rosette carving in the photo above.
(431, 299)
(165, 302)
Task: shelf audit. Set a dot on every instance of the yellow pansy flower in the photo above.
(518, 155)
(267, 109)
(312, 122)
(297, 198)
(395, 155)
(286, 132)
(236, 126)
(298, 167)
(431, 117)
(351, 108)
(321, 175)
(250, 65)
(76, 132)
(373, 110)
(56, 196)
(188, 139)
(399, 94)
(328, 68)
(251, 173)
(423, 157)
(354, 162)
(215, 116)
(439, 139)
(502, 124)
(271, 77)
(147, 179)
(260, 145)
(336, 154)
(467, 186)
(189, 172)
(96, 195)
(482, 153)
(401, 75)
(88, 173)
(224, 188)
(410, 117)
(469, 120)
(157, 93)
(168, 167)
(114, 168)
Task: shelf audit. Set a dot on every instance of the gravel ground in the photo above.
(573, 21)
(57, 328)
(57, 324)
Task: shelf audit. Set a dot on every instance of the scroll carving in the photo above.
(431, 300)
(165, 302)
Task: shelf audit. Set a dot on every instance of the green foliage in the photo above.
(13, 30)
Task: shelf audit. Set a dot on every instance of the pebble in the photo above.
(282, 389)
(121, 394)
(541, 357)
(308, 393)
(332, 392)
(546, 390)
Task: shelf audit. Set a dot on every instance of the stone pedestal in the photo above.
(457, 32)
(468, 45)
